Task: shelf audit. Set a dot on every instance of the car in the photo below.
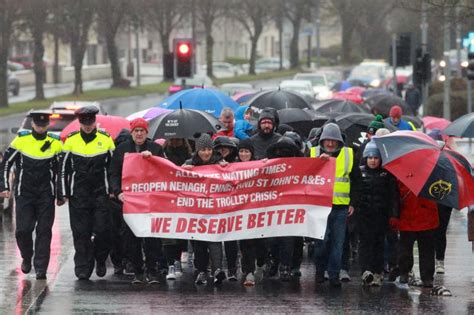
(303, 87)
(71, 106)
(319, 82)
(26, 61)
(198, 80)
(234, 88)
(13, 83)
(270, 64)
(15, 66)
(222, 70)
(369, 72)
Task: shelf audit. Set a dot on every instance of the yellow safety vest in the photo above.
(29, 146)
(342, 183)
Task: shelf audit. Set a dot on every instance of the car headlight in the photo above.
(375, 83)
(442, 63)
(464, 64)
(442, 78)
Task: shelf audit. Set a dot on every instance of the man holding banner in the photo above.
(328, 252)
(133, 245)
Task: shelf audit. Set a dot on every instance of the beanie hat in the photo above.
(139, 123)
(246, 144)
(265, 116)
(382, 132)
(396, 111)
(204, 142)
(375, 124)
(331, 131)
(371, 150)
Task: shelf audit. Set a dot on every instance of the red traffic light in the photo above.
(184, 49)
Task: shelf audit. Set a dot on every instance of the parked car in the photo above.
(319, 82)
(26, 61)
(223, 70)
(58, 120)
(13, 83)
(270, 64)
(303, 87)
(233, 88)
(15, 66)
(199, 80)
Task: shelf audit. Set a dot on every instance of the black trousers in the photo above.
(203, 251)
(371, 248)
(135, 247)
(34, 212)
(253, 250)
(231, 249)
(172, 249)
(444, 213)
(88, 217)
(426, 253)
(117, 251)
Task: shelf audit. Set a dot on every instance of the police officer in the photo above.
(83, 182)
(35, 157)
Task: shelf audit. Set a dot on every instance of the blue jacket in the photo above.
(402, 125)
(242, 127)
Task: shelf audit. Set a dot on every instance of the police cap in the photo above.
(86, 114)
(40, 118)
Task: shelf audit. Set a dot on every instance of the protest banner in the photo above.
(278, 197)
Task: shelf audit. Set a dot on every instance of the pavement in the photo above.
(62, 293)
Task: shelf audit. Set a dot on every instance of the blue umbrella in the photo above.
(204, 99)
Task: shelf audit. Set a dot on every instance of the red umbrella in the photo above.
(431, 122)
(353, 97)
(426, 169)
(358, 90)
(112, 124)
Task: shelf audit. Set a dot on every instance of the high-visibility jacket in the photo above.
(36, 164)
(84, 165)
(342, 183)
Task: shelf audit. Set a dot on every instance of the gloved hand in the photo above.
(394, 223)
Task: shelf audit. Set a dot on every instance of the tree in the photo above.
(111, 14)
(78, 16)
(35, 14)
(295, 12)
(253, 15)
(164, 16)
(207, 12)
(9, 10)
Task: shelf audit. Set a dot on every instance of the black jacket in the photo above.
(376, 196)
(196, 160)
(261, 142)
(116, 164)
(177, 155)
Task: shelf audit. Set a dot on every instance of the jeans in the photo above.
(328, 252)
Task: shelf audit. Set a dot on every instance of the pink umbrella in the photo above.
(358, 90)
(243, 97)
(148, 113)
(431, 122)
(343, 95)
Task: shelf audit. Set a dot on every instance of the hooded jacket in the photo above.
(242, 128)
(416, 214)
(261, 141)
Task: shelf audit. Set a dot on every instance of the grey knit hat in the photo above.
(331, 131)
(203, 142)
(371, 150)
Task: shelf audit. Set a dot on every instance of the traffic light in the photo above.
(403, 50)
(183, 58)
(470, 66)
(421, 68)
(426, 67)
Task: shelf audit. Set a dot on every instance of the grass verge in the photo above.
(93, 95)
(261, 76)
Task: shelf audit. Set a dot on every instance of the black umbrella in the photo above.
(183, 123)
(382, 103)
(341, 106)
(354, 126)
(278, 99)
(462, 127)
(302, 121)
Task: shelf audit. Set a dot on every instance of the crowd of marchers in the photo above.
(373, 224)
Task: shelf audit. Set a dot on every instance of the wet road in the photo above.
(113, 294)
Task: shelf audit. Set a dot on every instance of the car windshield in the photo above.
(197, 80)
(295, 87)
(316, 80)
(370, 71)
